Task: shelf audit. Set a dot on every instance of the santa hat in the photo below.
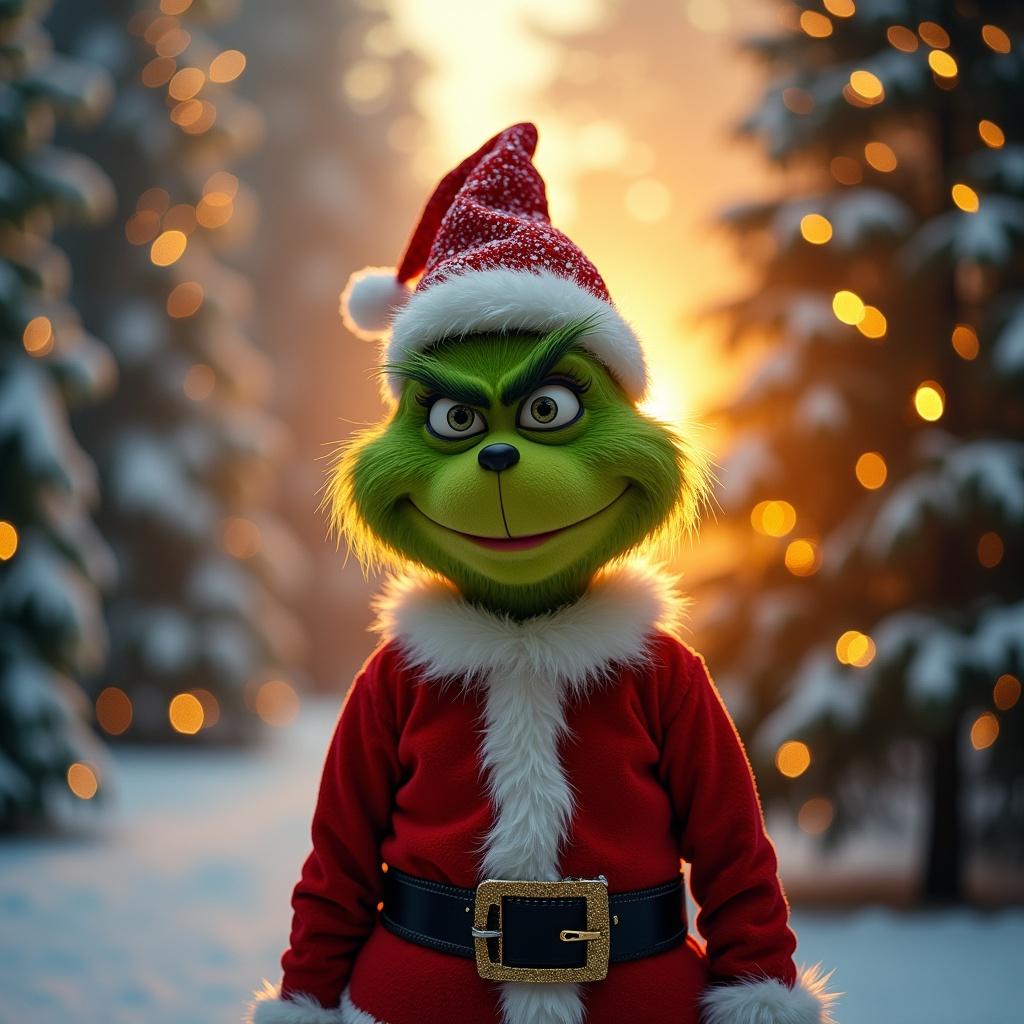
(488, 259)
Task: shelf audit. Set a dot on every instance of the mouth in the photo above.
(526, 541)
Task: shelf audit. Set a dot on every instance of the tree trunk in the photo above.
(943, 879)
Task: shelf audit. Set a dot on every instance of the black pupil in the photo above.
(544, 410)
(460, 417)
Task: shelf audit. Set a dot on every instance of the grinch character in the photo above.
(526, 762)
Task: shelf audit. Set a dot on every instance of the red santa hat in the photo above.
(488, 259)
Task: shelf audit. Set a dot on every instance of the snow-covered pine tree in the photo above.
(879, 451)
(52, 560)
(186, 449)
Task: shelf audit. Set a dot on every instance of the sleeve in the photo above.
(733, 868)
(335, 900)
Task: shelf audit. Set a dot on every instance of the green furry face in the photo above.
(514, 467)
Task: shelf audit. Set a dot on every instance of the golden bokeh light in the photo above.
(902, 38)
(158, 200)
(185, 713)
(871, 470)
(930, 400)
(175, 6)
(881, 157)
(965, 341)
(990, 549)
(114, 710)
(848, 307)
(815, 228)
(215, 209)
(815, 816)
(186, 83)
(196, 125)
(210, 706)
(793, 758)
(991, 134)
(240, 537)
(199, 382)
(227, 66)
(158, 71)
(984, 731)
(221, 181)
(172, 43)
(933, 34)
(816, 25)
(995, 38)
(83, 780)
(873, 324)
(188, 113)
(965, 197)
(142, 227)
(943, 64)
(37, 337)
(277, 703)
(867, 86)
(841, 8)
(801, 557)
(181, 217)
(185, 300)
(773, 518)
(855, 648)
(648, 200)
(168, 247)
(1006, 692)
(846, 170)
(8, 540)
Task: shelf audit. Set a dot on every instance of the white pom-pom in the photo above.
(371, 297)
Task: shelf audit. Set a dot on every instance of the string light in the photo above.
(873, 325)
(37, 337)
(965, 341)
(871, 470)
(965, 197)
(185, 83)
(185, 713)
(1006, 692)
(801, 557)
(848, 307)
(114, 710)
(995, 38)
(991, 134)
(846, 170)
(8, 540)
(816, 25)
(773, 518)
(815, 228)
(184, 300)
(880, 156)
(82, 780)
(168, 247)
(930, 400)
(867, 86)
(158, 72)
(227, 66)
(902, 38)
(933, 34)
(841, 8)
(793, 758)
(984, 731)
(855, 648)
(943, 64)
(990, 549)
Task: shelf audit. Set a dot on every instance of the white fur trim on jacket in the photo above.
(502, 299)
(767, 1001)
(269, 1008)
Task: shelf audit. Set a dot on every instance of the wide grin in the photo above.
(525, 542)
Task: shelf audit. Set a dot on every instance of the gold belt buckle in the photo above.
(597, 935)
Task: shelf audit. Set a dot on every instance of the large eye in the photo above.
(454, 420)
(549, 408)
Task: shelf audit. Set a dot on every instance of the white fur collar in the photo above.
(448, 637)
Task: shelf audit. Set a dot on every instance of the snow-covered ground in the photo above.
(182, 907)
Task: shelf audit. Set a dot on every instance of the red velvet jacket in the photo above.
(638, 767)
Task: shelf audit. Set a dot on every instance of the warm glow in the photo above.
(113, 710)
(991, 134)
(846, 170)
(841, 8)
(175, 6)
(188, 113)
(215, 209)
(799, 101)
(984, 731)
(221, 181)
(867, 86)
(942, 64)
(816, 25)
(8, 540)
(37, 337)
(933, 34)
(995, 38)
(990, 549)
(158, 71)
(965, 341)
(880, 156)
(871, 470)
(168, 247)
(815, 228)
(210, 705)
(965, 197)
(82, 780)
(185, 299)
(186, 714)
(1006, 692)
(227, 66)
(773, 518)
(142, 227)
(185, 84)
(855, 648)
(873, 325)
(277, 703)
(199, 382)
(802, 557)
(930, 401)
(815, 816)
(902, 38)
(196, 125)
(155, 199)
(241, 537)
(173, 43)
(793, 758)
(848, 307)
(648, 200)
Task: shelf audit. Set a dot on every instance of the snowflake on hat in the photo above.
(530, 753)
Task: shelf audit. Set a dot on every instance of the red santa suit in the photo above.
(588, 741)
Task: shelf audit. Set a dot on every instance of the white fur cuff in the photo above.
(768, 1001)
(269, 1008)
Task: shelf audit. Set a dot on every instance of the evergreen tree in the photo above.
(52, 560)
(876, 624)
(186, 449)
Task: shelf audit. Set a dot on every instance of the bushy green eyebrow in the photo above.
(530, 373)
(435, 375)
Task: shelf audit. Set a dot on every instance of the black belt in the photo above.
(536, 931)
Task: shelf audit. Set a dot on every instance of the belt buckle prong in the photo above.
(597, 934)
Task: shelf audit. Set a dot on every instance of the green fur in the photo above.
(616, 477)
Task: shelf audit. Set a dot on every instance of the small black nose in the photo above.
(497, 457)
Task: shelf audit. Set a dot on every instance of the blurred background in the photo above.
(814, 214)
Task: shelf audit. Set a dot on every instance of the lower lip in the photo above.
(512, 543)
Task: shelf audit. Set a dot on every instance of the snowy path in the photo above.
(175, 914)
